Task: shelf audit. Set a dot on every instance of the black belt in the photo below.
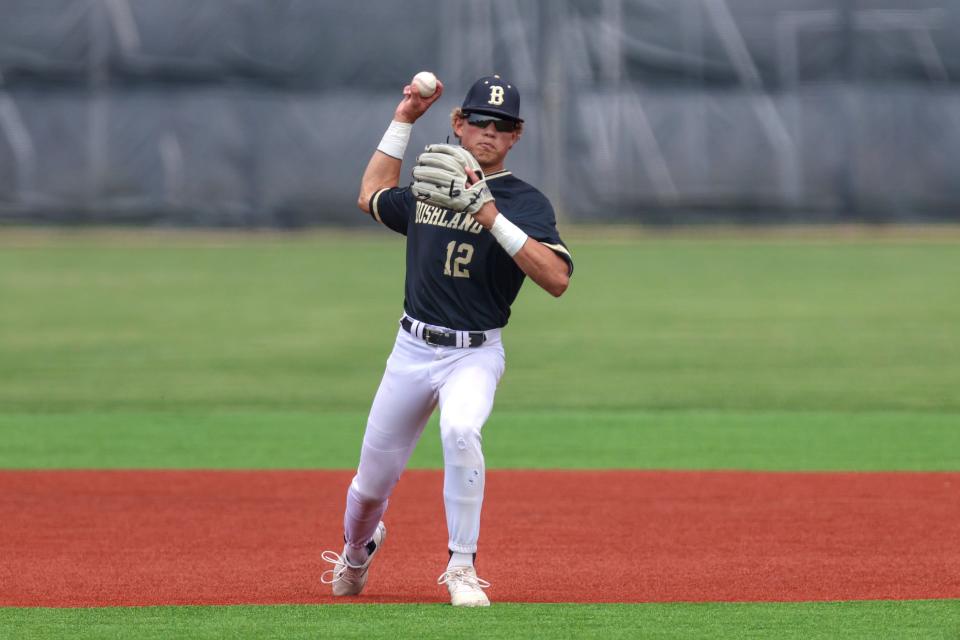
(444, 338)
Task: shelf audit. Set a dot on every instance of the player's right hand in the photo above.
(413, 106)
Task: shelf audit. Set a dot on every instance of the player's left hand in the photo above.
(448, 176)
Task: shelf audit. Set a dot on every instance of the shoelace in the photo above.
(462, 575)
(337, 572)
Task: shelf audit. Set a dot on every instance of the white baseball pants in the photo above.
(418, 377)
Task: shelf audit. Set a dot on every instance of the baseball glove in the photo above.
(440, 179)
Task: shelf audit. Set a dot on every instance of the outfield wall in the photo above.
(248, 113)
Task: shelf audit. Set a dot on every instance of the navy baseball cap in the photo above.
(493, 96)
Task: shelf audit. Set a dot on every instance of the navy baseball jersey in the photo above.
(458, 276)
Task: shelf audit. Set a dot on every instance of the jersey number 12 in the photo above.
(464, 256)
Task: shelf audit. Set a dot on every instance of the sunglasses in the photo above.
(480, 121)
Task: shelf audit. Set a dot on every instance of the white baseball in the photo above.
(425, 83)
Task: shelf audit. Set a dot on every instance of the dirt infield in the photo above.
(89, 538)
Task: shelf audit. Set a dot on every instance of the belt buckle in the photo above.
(430, 336)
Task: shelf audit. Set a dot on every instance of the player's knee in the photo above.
(461, 438)
(460, 429)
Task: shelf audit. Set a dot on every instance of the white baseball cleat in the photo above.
(347, 579)
(466, 589)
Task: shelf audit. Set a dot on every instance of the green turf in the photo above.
(265, 352)
(307, 325)
(920, 620)
(834, 441)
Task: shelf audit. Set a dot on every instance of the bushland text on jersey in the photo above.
(428, 214)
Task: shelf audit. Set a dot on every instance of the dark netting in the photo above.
(248, 113)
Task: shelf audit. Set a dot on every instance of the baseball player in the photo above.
(474, 232)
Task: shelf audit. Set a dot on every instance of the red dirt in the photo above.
(102, 538)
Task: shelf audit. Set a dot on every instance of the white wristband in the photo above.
(395, 140)
(510, 236)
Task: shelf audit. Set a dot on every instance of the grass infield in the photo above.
(577, 439)
(905, 620)
(792, 353)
